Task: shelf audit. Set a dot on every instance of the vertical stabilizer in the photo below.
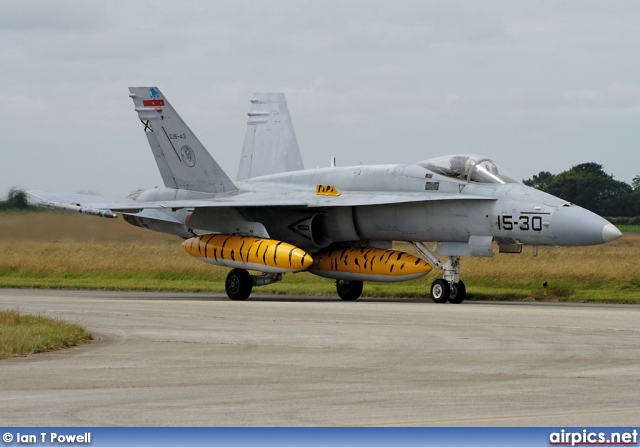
(182, 160)
(270, 145)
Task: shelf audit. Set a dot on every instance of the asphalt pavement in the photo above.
(172, 359)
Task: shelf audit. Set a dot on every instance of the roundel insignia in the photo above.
(188, 157)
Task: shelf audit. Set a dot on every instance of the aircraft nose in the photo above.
(610, 233)
(574, 225)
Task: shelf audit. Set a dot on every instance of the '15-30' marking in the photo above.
(524, 223)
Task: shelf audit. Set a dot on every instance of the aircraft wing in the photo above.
(94, 201)
(90, 204)
(83, 203)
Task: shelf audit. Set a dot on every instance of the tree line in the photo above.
(16, 200)
(588, 186)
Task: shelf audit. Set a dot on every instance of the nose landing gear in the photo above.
(449, 288)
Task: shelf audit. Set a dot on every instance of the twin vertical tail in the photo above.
(182, 160)
(270, 144)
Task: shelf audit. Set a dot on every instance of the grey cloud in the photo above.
(371, 81)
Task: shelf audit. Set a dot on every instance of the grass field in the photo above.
(64, 250)
(30, 334)
(629, 228)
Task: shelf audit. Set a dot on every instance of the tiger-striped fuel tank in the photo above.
(251, 253)
(368, 264)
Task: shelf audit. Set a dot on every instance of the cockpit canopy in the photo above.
(469, 167)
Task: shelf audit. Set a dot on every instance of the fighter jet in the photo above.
(334, 222)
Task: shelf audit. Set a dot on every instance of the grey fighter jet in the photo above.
(335, 222)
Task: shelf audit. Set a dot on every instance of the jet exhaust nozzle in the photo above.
(251, 253)
(368, 264)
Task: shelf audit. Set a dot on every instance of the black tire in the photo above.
(440, 291)
(238, 284)
(458, 293)
(349, 290)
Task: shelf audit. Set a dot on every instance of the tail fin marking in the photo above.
(182, 160)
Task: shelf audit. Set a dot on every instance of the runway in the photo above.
(196, 360)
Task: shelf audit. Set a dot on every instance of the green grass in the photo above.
(479, 288)
(66, 251)
(629, 228)
(28, 334)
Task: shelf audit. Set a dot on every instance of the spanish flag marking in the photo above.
(153, 103)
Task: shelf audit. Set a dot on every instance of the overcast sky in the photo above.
(541, 85)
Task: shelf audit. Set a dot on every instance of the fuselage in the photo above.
(336, 222)
(511, 213)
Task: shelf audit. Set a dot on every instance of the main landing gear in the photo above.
(349, 290)
(239, 283)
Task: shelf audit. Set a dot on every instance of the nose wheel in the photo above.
(440, 291)
(443, 291)
(458, 293)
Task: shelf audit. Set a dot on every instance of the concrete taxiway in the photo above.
(193, 359)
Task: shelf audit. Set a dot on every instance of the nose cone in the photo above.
(573, 225)
(610, 233)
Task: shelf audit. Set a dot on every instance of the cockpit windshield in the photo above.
(469, 167)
